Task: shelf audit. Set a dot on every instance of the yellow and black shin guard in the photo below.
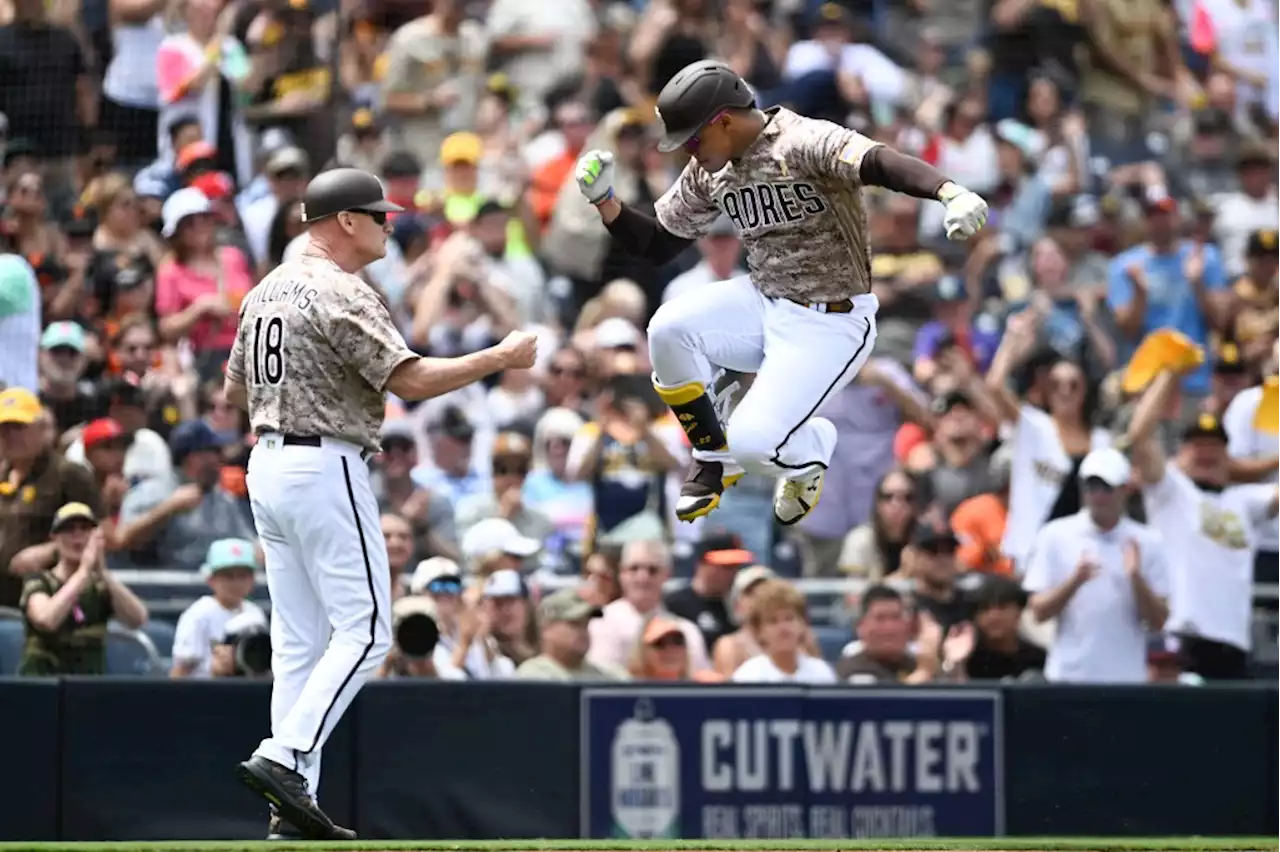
(696, 411)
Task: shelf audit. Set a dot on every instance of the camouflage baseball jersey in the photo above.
(315, 348)
(795, 199)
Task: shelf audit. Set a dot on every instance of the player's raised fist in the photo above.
(594, 174)
(966, 212)
(518, 350)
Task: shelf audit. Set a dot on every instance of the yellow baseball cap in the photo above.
(72, 512)
(461, 147)
(19, 405)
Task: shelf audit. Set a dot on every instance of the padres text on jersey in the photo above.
(315, 348)
(795, 198)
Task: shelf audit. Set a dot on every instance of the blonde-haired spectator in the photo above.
(120, 231)
(779, 620)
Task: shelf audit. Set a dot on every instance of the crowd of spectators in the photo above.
(999, 504)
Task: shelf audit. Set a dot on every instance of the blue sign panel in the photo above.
(729, 762)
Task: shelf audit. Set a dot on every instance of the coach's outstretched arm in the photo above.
(639, 234)
(423, 378)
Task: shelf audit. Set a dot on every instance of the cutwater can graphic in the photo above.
(645, 797)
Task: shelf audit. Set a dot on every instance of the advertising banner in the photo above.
(729, 762)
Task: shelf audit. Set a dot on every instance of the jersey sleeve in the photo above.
(235, 361)
(829, 150)
(686, 209)
(365, 334)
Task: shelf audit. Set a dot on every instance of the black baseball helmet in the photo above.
(336, 190)
(696, 95)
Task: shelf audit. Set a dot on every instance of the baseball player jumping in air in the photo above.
(803, 319)
(315, 353)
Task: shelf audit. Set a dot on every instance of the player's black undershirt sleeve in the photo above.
(643, 236)
(883, 166)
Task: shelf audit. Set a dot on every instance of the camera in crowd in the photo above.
(248, 641)
(414, 626)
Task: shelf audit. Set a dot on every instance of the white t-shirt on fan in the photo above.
(1246, 441)
(760, 669)
(1099, 638)
(1211, 539)
(203, 625)
(1040, 468)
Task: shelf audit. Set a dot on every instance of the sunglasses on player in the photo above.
(379, 217)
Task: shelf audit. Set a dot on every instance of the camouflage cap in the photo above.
(566, 605)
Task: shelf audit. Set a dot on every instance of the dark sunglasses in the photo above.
(939, 548)
(64, 351)
(396, 445)
(510, 470)
(379, 217)
(651, 570)
(898, 496)
(445, 587)
(674, 640)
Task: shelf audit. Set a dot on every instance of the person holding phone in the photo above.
(625, 457)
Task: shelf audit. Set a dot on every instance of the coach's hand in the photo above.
(518, 350)
(594, 174)
(966, 211)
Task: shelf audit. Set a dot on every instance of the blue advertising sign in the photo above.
(729, 762)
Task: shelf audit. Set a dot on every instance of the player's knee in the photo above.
(668, 327)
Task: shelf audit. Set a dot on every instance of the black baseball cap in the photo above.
(1227, 359)
(1262, 243)
(951, 399)
(723, 548)
(1205, 426)
(333, 191)
(694, 96)
(934, 539)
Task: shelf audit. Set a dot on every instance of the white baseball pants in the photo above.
(330, 587)
(799, 355)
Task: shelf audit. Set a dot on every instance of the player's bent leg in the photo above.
(690, 339)
(774, 431)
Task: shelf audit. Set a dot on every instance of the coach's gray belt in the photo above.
(313, 441)
(844, 306)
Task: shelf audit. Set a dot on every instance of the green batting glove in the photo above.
(594, 174)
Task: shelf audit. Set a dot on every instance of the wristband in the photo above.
(950, 190)
(607, 196)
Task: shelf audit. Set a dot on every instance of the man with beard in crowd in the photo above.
(62, 366)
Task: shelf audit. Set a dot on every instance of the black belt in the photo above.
(844, 306)
(301, 440)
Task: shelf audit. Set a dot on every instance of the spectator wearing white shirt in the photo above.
(862, 74)
(228, 569)
(1254, 455)
(465, 650)
(721, 252)
(645, 566)
(287, 171)
(778, 618)
(1103, 576)
(1252, 208)
(1210, 527)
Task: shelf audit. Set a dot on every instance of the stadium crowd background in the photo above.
(154, 156)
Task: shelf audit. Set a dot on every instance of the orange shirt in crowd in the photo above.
(979, 524)
(545, 185)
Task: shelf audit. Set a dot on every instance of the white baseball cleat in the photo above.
(796, 498)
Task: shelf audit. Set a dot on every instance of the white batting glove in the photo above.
(594, 174)
(966, 212)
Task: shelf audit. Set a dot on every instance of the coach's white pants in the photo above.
(330, 590)
(800, 357)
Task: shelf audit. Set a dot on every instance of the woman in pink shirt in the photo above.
(199, 287)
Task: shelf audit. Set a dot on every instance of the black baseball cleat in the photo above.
(702, 488)
(287, 791)
(279, 829)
